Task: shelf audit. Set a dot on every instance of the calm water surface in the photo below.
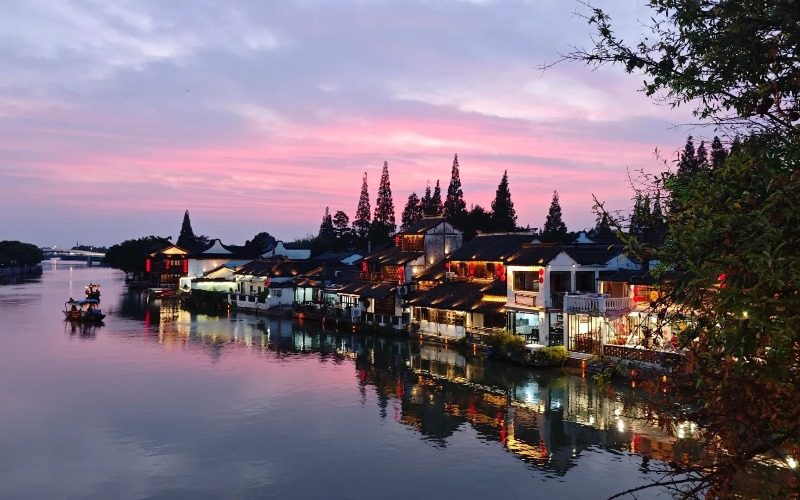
(160, 403)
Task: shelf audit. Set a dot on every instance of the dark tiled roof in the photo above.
(629, 276)
(424, 225)
(495, 247)
(392, 256)
(462, 296)
(280, 268)
(583, 254)
(369, 290)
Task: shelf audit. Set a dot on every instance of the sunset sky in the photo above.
(115, 117)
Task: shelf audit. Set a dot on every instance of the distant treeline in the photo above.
(16, 253)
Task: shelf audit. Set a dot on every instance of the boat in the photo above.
(87, 310)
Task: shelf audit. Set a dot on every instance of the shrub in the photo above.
(554, 355)
(504, 342)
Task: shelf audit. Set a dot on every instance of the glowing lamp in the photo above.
(471, 269)
(147, 265)
(721, 279)
(185, 266)
(363, 266)
(541, 276)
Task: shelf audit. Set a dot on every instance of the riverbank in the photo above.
(12, 273)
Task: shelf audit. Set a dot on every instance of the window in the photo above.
(526, 281)
(584, 281)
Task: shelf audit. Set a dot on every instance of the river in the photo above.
(161, 403)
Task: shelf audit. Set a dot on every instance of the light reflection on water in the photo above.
(162, 402)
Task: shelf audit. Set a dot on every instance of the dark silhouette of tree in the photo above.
(17, 253)
(383, 220)
(260, 243)
(361, 223)
(130, 255)
(702, 156)
(326, 234)
(427, 200)
(687, 162)
(436, 207)
(412, 212)
(341, 230)
(504, 217)
(554, 227)
(477, 220)
(718, 153)
(187, 238)
(454, 205)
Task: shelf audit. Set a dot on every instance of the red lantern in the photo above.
(447, 265)
(363, 266)
(166, 264)
(147, 265)
(185, 266)
(721, 279)
(541, 276)
(398, 241)
(471, 269)
(501, 272)
(401, 274)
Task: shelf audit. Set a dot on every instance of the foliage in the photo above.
(504, 342)
(186, 238)
(554, 228)
(17, 253)
(476, 220)
(361, 222)
(383, 221)
(504, 217)
(454, 205)
(130, 255)
(412, 212)
(732, 239)
(326, 234)
(554, 355)
(735, 62)
(436, 207)
(341, 230)
(260, 243)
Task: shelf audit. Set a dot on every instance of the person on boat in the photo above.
(74, 307)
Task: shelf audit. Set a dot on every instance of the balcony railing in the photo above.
(525, 298)
(597, 304)
(370, 276)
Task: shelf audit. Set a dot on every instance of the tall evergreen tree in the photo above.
(504, 217)
(383, 220)
(187, 238)
(454, 205)
(426, 200)
(640, 222)
(326, 232)
(361, 222)
(702, 157)
(687, 163)
(413, 210)
(341, 229)
(554, 227)
(718, 153)
(436, 207)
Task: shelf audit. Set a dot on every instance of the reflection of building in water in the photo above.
(546, 421)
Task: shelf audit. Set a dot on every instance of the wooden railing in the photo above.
(663, 358)
(596, 304)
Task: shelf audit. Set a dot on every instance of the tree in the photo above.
(718, 153)
(436, 207)
(327, 234)
(702, 157)
(687, 162)
(362, 221)
(16, 253)
(476, 220)
(454, 205)
(413, 210)
(186, 239)
(130, 255)
(504, 217)
(731, 248)
(383, 221)
(427, 201)
(341, 229)
(554, 227)
(260, 243)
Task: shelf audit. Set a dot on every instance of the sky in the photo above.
(115, 117)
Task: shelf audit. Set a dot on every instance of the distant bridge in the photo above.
(67, 254)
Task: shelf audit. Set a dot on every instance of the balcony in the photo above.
(596, 304)
(525, 298)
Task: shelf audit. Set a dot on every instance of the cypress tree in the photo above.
(327, 234)
(341, 229)
(687, 163)
(362, 221)
(504, 217)
(436, 200)
(383, 217)
(413, 210)
(454, 205)
(554, 227)
(702, 157)
(427, 201)
(718, 153)
(187, 238)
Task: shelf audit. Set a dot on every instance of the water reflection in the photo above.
(548, 419)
